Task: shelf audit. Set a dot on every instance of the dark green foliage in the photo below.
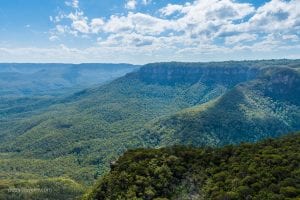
(266, 170)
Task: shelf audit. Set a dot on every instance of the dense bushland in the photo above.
(266, 170)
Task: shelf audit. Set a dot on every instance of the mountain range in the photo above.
(72, 139)
(27, 79)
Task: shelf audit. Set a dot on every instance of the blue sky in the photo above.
(142, 31)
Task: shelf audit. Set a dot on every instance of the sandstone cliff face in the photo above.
(282, 83)
(207, 73)
(283, 76)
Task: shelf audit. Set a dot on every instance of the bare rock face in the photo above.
(190, 73)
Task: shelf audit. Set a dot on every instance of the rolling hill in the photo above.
(75, 137)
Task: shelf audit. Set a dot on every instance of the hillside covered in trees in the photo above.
(74, 137)
(267, 170)
(266, 106)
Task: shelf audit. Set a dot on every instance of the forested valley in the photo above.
(180, 117)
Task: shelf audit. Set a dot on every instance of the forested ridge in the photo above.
(267, 170)
(263, 107)
(72, 138)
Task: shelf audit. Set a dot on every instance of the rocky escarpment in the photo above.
(228, 74)
(268, 104)
(282, 83)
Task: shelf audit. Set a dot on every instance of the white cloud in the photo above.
(96, 25)
(118, 24)
(79, 22)
(171, 9)
(131, 4)
(201, 27)
(274, 16)
(293, 38)
(128, 40)
(146, 2)
(60, 29)
(136, 22)
(244, 37)
(73, 3)
(81, 26)
(146, 24)
(53, 38)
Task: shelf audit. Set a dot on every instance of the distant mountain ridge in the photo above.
(27, 79)
(159, 104)
(191, 73)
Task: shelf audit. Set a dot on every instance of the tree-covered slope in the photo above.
(266, 170)
(103, 118)
(30, 89)
(94, 126)
(89, 129)
(265, 107)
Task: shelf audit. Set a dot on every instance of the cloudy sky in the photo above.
(142, 31)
